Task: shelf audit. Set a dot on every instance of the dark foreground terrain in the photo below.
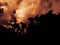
(47, 25)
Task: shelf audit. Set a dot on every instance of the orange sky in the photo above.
(30, 8)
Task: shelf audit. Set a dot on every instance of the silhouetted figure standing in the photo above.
(23, 26)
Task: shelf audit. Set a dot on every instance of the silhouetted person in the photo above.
(23, 26)
(1, 10)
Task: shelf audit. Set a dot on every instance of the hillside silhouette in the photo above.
(44, 25)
